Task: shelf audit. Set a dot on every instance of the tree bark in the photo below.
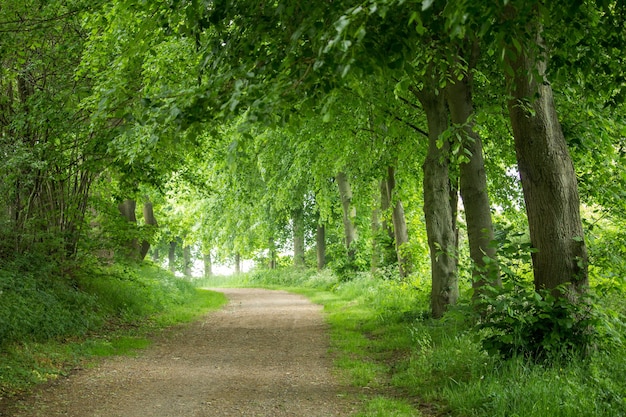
(388, 249)
(150, 221)
(127, 210)
(400, 232)
(272, 253)
(377, 244)
(187, 261)
(349, 212)
(473, 186)
(171, 256)
(297, 217)
(237, 263)
(208, 265)
(547, 174)
(320, 243)
(438, 209)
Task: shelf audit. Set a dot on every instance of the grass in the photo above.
(120, 309)
(384, 341)
(386, 407)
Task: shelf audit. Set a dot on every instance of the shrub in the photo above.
(517, 320)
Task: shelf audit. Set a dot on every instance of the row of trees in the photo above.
(253, 128)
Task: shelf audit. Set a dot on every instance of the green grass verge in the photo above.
(126, 306)
(384, 341)
(379, 406)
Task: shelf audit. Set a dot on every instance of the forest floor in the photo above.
(265, 354)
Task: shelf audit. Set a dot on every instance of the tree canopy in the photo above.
(383, 134)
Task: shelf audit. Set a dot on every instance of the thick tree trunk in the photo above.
(149, 220)
(400, 232)
(473, 186)
(438, 210)
(548, 177)
(297, 216)
(349, 212)
(171, 256)
(208, 265)
(127, 210)
(320, 243)
(187, 261)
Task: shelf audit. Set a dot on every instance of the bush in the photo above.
(518, 321)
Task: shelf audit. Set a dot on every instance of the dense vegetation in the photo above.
(469, 156)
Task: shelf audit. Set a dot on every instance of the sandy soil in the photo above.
(265, 354)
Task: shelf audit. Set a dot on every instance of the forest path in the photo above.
(264, 354)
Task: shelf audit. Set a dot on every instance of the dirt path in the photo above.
(265, 354)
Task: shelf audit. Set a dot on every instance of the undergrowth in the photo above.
(385, 342)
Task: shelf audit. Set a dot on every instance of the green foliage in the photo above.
(129, 293)
(519, 321)
(36, 304)
(50, 154)
(346, 264)
(286, 276)
(39, 304)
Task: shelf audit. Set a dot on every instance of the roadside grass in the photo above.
(387, 407)
(408, 364)
(120, 309)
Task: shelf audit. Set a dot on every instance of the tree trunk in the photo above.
(272, 254)
(377, 246)
(237, 263)
(388, 249)
(349, 212)
(473, 186)
(187, 261)
(547, 173)
(208, 265)
(320, 243)
(297, 216)
(150, 221)
(127, 210)
(400, 232)
(438, 209)
(171, 256)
